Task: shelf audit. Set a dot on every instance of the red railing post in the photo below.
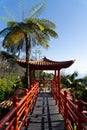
(79, 110)
(38, 87)
(55, 85)
(16, 114)
(58, 90)
(65, 109)
(26, 107)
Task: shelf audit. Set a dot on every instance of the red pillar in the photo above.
(55, 82)
(59, 80)
(55, 75)
(58, 89)
(15, 99)
(79, 109)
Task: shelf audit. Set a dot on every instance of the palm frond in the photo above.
(9, 13)
(46, 23)
(34, 23)
(36, 10)
(12, 23)
(51, 32)
(13, 37)
(4, 32)
(4, 19)
(24, 27)
(21, 5)
(15, 48)
(39, 39)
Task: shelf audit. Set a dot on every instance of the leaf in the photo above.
(10, 14)
(36, 10)
(4, 32)
(12, 23)
(34, 23)
(47, 23)
(4, 19)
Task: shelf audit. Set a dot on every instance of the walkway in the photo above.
(45, 115)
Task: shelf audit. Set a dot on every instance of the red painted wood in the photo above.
(17, 116)
(72, 113)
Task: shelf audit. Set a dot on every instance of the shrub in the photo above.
(8, 86)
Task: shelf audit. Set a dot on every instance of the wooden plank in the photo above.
(45, 115)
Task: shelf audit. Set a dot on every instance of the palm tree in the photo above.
(32, 31)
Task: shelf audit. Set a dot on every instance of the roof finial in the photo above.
(44, 58)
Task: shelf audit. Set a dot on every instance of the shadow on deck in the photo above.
(45, 114)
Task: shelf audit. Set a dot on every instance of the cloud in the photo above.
(79, 67)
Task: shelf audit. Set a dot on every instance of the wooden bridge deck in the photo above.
(45, 115)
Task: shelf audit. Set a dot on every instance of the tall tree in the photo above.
(30, 32)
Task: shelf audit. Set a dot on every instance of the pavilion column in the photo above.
(58, 89)
(56, 86)
(55, 75)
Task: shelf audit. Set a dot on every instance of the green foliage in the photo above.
(41, 75)
(5, 88)
(2, 93)
(8, 85)
(78, 85)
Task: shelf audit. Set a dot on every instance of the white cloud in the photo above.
(79, 67)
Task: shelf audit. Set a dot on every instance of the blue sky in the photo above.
(70, 17)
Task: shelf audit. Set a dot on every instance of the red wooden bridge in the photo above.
(47, 110)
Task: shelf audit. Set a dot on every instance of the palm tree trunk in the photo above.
(27, 40)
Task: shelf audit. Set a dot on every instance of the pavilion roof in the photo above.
(46, 64)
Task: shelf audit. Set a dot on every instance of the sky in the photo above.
(70, 18)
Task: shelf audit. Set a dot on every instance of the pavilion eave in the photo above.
(45, 64)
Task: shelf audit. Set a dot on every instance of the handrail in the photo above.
(17, 116)
(72, 112)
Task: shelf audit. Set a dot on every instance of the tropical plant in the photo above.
(68, 80)
(30, 32)
(8, 85)
(78, 85)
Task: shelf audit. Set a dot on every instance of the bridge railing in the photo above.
(72, 112)
(17, 116)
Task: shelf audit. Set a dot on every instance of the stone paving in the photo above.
(45, 115)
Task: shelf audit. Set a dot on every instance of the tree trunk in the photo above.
(27, 40)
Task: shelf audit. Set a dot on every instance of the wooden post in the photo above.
(55, 85)
(26, 107)
(58, 89)
(16, 114)
(65, 109)
(79, 109)
(55, 75)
